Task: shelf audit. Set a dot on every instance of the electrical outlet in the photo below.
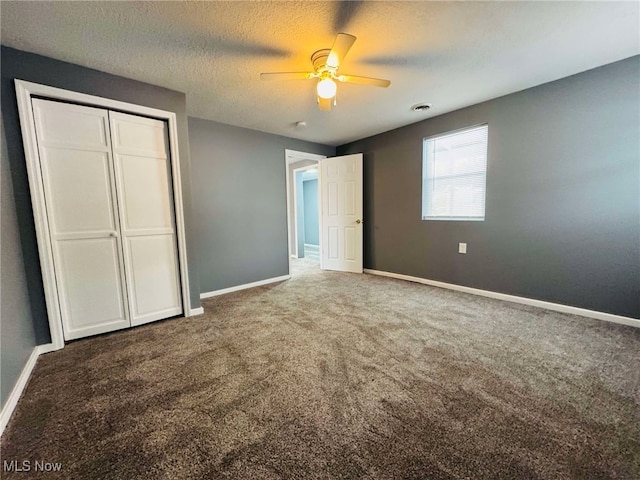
(462, 248)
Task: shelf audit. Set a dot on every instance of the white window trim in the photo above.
(424, 175)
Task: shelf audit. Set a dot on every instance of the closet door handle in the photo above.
(113, 234)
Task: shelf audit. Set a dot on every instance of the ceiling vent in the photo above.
(421, 107)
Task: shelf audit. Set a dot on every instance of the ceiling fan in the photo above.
(325, 65)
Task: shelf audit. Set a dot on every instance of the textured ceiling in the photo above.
(450, 54)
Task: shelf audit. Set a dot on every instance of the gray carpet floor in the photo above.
(339, 376)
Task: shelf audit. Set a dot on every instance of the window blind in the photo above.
(454, 175)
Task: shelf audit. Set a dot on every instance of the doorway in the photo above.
(299, 166)
(339, 187)
(307, 213)
(179, 283)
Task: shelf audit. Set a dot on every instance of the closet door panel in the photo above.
(79, 184)
(151, 260)
(133, 134)
(145, 200)
(71, 125)
(146, 183)
(80, 190)
(90, 285)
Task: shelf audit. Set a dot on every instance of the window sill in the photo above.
(455, 219)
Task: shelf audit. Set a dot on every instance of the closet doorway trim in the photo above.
(24, 92)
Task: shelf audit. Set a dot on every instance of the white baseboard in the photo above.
(46, 348)
(196, 311)
(583, 312)
(267, 281)
(21, 384)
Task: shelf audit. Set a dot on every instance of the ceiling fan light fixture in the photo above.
(326, 63)
(327, 88)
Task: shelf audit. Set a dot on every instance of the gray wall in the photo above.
(16, 323)
(39, 69)
(563, 196)
(239, 193)
(311, 220)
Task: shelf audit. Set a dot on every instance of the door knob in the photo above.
(359, 221)
(113, 234)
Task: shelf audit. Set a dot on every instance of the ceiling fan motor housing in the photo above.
(319, 60)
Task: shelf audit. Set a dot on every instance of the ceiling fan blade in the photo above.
(340, 48)
(287, 76)
(374, 82)
(325, 104)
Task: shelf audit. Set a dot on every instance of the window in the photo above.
(454, 174)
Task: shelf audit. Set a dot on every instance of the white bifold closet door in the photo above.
(108, 195)
(145, 201)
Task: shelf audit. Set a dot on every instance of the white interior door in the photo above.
(145, 201)
(75, 154)
(341, 193)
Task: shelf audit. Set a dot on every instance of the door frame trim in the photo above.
(24, 91)
(292, 156)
